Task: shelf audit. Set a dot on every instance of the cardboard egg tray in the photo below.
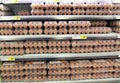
(102, 75)
(60, 70)
(83, 70)
(45, 50)
(58, 64)
(117, 65)
(11, 45)
(80, 64)
(58, 77)
(29, 78)
(24, 72)
(116, 29)
(74, 9)
(81, 76)
(116, 26)
(56, 46)
(115, 23)
(53, 27)
(16, 51)
(116, 75)
(115, 9)
(65, 71)
(23, 66)
(98, 23)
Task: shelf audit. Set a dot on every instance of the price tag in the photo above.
(56, 0)
(11, 58)
(16, 17)
(8, 59)
(83, 37)
(15, 1)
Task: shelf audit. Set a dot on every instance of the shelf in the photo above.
(38, 1)
(61, 56)
(60, 17)
(118, 35)
(117, 17)
(108, 80)
(58, 37)
(116, 1)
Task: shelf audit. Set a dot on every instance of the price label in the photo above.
(8, 59)
(83, 37)
(15, 1)
(11, 58)
(56, 0)
(16, 17)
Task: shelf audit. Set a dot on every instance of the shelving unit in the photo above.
(111, 80)
(61, 17)
(59, 37)
(61, 56)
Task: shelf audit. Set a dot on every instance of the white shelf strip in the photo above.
(109, 80)
(59, 37)
(61, 17)
(61, 56)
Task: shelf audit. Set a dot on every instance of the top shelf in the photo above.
(38, 1)
(61, 17)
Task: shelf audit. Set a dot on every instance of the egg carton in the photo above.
(58, 64)
(58, 77)
(65, 71)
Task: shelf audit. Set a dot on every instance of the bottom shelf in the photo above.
(108, 80)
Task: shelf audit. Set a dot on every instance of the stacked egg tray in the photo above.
(54, 27)
(60, 70)
(58, 46)
(74, 9)
(24, 71)
(116, 26)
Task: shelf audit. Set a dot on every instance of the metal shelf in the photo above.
(117, 17)
(60, 17)
(58, 37)
(118, 35)
(38, 1)
(116, 1)
(108, 80)
(62, 56)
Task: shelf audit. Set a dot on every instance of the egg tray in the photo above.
(65, 71)
(102, 63)
(45, 47)
(74, 9)
(29, 66)
(57, 43)
(29, 78)
(53, 27)
(58, 65)
(116, 29)
(115, 23)
(55, 50)
(101, 75)
(61, 70)
(58, 77)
